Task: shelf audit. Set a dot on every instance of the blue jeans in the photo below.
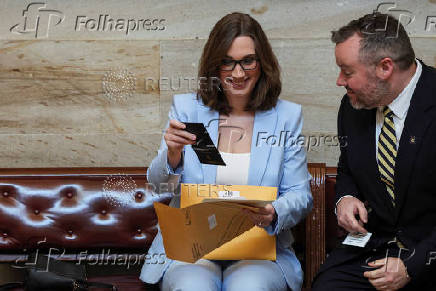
(206, 275)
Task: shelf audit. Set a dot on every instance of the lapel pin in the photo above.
(412, 139)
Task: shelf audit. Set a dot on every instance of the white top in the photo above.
(399, 107)
(236, 170)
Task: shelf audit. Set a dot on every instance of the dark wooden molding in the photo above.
(315, 223)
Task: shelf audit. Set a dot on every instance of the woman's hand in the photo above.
(176, 138)
(264, 217)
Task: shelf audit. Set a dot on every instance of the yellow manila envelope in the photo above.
(190, 233)
(256, 243)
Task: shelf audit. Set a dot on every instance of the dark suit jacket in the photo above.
(413, 220)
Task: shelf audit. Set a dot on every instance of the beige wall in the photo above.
(56, 109)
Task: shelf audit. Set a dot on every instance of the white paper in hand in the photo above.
(357, 239)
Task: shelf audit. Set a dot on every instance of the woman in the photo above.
(244, 102)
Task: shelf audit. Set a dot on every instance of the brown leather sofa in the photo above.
(74, 213)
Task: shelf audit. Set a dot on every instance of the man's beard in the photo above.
(372, 94)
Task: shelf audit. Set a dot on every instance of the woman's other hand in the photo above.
(176, 137)
(264, 217)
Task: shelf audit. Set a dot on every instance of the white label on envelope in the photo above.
(228, 194)
(357, 240)
(212, 221)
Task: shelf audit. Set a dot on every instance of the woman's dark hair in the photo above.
(267, 88)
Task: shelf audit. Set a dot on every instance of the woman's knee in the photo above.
(254, 275)
(253, 283)
(203, 276)
(189, 283)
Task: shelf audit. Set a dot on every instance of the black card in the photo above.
(206, 151)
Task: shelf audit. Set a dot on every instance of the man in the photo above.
(387, 169)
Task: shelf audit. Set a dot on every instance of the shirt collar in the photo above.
(400, 105)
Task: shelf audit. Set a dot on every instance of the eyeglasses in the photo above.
(247, 64)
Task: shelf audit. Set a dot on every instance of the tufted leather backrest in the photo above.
(98, 208)
(76, 208)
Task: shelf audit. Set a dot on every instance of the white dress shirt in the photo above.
(399, 107)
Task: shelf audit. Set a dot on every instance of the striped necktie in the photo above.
(387, 152)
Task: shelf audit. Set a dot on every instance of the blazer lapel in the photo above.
(265, 123)
(418, 119)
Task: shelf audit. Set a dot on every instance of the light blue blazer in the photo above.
(277, 159)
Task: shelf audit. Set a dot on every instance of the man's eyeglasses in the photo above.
(247, 64)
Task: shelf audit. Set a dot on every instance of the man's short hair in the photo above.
(382, 36)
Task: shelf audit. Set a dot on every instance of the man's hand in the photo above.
(263, 217)
(346, 211)
(390, 275)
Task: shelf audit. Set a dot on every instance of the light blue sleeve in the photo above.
(160, 173)
(294, 196)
